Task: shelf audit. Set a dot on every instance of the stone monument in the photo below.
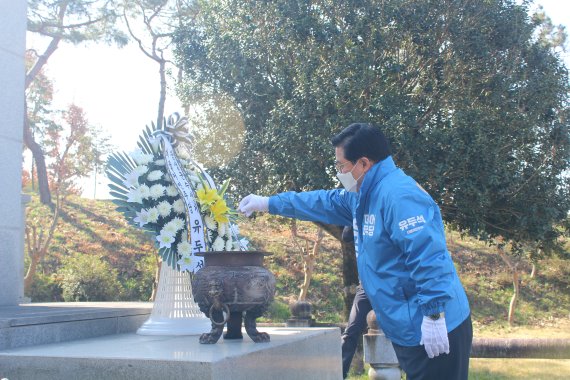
(12, 77)
(379, 353)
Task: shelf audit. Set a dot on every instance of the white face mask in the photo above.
(347, 180)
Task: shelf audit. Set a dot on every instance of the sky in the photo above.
(119, 88)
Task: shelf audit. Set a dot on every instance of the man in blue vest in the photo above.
(403, 262)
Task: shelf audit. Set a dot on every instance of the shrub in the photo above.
(277, 312)
(45, 289)
(88, 278)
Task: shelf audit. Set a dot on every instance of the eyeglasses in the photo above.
(340, 165)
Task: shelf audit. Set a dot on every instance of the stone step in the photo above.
(43, 323)
(292, 354)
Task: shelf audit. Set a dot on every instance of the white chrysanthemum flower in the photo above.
(210, 222)
(222, 229)
(184, 248)
(228, 245)
(144, 191)
(178, 206)
(140, 170)
(131, 180)
(134, 196)
(165, 231)
(154, 175)
(178, 223)
(156, 191)
(169, 229)
(171, 191)
(141, 218)
(167, 177)
(164, 208)
(141, 158)
(165, 240)
(186, 263)
(160, 162)
(219, 244)
(152, 215)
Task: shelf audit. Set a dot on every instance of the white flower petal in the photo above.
(134, 196)
(210, 223)
(156, 191)
(152, 216)
(141, 218)
(165, 240)
(164, 208)
(219, 244)
(184, 248)
(171, 191)
(154, 175)
(178, 206)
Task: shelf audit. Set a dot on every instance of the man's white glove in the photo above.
(253, 203)
(434, 336)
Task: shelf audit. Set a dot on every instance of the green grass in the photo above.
(507, 369)
(510, 369)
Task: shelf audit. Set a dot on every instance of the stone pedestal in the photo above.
(379, 353)
(45, 323)
(292, 354)
(301, 312)
(12, 75)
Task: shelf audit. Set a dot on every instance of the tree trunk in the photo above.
(37, 248)
(514, 299)
(31, 144)
(162, 99)
(39, 158)
(29, 278)
(42, 59)
(308, 256)
(513, 268)
(349, 270)
(309, 265)
(308, 268)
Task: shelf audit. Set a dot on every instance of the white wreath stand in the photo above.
(174, 311)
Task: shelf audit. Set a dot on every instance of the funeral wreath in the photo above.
(162, 189)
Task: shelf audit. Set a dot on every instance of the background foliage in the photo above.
(93, 241)
(95, 255)
(472, 95)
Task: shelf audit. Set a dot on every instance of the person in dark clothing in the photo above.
(356, 325)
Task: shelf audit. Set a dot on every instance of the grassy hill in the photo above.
(93, 238)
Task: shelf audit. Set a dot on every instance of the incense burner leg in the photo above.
(251, 328)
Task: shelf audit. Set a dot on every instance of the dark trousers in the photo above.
(355, 327)
(453, 366)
